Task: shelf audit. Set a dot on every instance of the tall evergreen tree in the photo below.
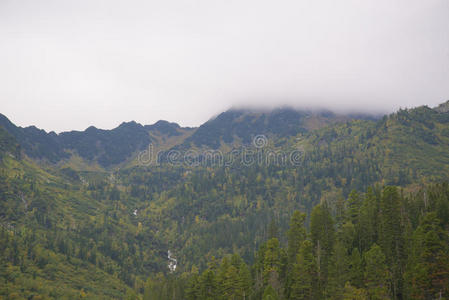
(270, 294)
(323, 234)
(272, 265)
(304, 280)
(273, 229)
(376, 274)
(355, 268)
(207, 285)
(296, 235)
(366, 227)
(353, 206)
(428, 266)
(338, 271)
(192, 290)
(391, 237)
(246, 281)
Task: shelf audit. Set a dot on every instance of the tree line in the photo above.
(376, 245)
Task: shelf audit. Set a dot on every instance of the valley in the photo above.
(82, 216)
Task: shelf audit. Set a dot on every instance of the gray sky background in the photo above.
(70, 64)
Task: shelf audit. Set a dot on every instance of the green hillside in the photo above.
(105, 232)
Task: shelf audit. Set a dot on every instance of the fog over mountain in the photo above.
(68, 65)
(224, 149)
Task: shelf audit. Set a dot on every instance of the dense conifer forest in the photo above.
(362, 213)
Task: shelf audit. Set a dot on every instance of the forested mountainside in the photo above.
(115, 147)
(95, 146)
(365, 199)
(376, 245)
(239, 126)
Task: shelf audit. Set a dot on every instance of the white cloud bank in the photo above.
(70, 64)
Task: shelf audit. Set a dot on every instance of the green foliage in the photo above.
(392, 240)
(353, 293)
(355, 268)
(230, 280)
(270, 293)
(323, 236)
(304, 275)
(376, 273)
(69, 233)
(428, 272)
(296, 236)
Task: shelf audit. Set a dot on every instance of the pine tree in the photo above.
(246, 281)
(338, 271)
(391, 237)
(323, 235)
(366, 227)
(207, 285)
(272, 258)
(270, 294)
(428, 266)
(273, 230)
(192, 291)
(353, 293)
(272, 265)
(354, 203)
(304, 280)
(355, 268)
(231, 284)
(376, 274)
(147, 289)
(296, 235)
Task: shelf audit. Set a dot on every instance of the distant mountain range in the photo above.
(116, 146)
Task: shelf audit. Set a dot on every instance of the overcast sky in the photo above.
(70, 64)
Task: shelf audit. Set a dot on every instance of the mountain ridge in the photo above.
(115, 147)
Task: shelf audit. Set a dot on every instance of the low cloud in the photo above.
(70, 65)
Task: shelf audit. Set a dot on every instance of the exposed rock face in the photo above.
(443, 107)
